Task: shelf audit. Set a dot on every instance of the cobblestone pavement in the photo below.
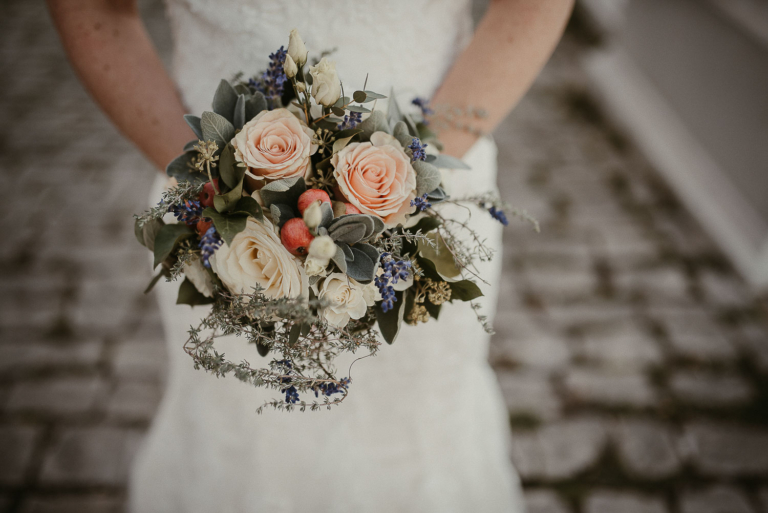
(633, 361)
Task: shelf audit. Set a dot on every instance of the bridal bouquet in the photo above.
(311, 222)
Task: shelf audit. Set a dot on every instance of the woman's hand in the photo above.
(115, 59)
(511, 44)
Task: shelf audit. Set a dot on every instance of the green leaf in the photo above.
(338, 111)
(146, 234)
(437, 195)
(189, 295)
(426, 134)
(224, 100)
(464, 290)
(357, 108)
(286, 191)
(293, 335)
(216, 128)
(426, 224)
(190, 146)
(167, 238)
(194, 124)
(281, 213)
(428, 177)
(391, 321)
(433, 310)
(238, 118)
(340, 260)
(347, 133)
(249, 207)
(263, 349)
(254, 105)
(349, 233)
(227, 225)
(340, 144)
(440, 256)
(361, 268)
(181, 169)
(341, 102)
(446, 162)
(376, 122)
(229, 171)
(400, 132)
(393, 110)
(227, 201)
(366, 96)
(242, 89)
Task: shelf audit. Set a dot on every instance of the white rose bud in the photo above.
(296, 49)
(326, 86)
(322, 248)
(315, 267)
(289, 67)
(300, 87)
(313, 215)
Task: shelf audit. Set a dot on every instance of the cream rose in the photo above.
(274, 145)
(377, 177)
(349, 299)
(326, 86)
(257, 257)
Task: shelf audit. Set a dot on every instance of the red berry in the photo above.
(351, 209)
(296, 237)
(202, 226)
(208, 192)
(310, 196)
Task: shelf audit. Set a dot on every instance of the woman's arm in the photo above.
(111, 52)
(510, 46)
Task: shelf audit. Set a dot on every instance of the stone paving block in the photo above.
(695, 336)
(705, 388)
(611, 501)
(22, 354)
(646, 448)
(619, 346)
(720, 449)
(17, 444)
(717, 499)
(140, 360)
(559, 450)
(66, 395)
(91, 456)
(530, 393)
(134, 401)
(592, 385)
(544, 501)
(540, 351)
(91, 503)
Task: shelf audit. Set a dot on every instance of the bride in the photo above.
(424, 428)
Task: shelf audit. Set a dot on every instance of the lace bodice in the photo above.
(406, 43)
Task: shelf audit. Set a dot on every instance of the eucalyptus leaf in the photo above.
(229, 171)
(182, 169)
(428, 177)
(285, 191)
(194, 124)
(358, 108)
(216, 128)
(464, 290)
(437, 195)
(238, 118)
(391, 321)
(224, 100)
(227, 201)
(447, 162)
(167, 238)
(338, 111)
(341, 102)
(189, 295)
(366, 96)
(254, 105)
(248, 206)
(227, 225)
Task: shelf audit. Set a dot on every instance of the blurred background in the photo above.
(632, 341)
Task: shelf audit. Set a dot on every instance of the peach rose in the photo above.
(257, 257)
(274, 145)
(377, 178)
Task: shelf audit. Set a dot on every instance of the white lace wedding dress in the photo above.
(424, 428)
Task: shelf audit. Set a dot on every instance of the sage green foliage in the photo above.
(285, 191)
(189, 295)
(390, 322)
(167, 238)
(428, 177)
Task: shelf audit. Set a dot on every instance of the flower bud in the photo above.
(313, 215)
(300, 87)
(289, 67)
(296, 48)
(322, 248)
(326, 86)
(315, 267)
